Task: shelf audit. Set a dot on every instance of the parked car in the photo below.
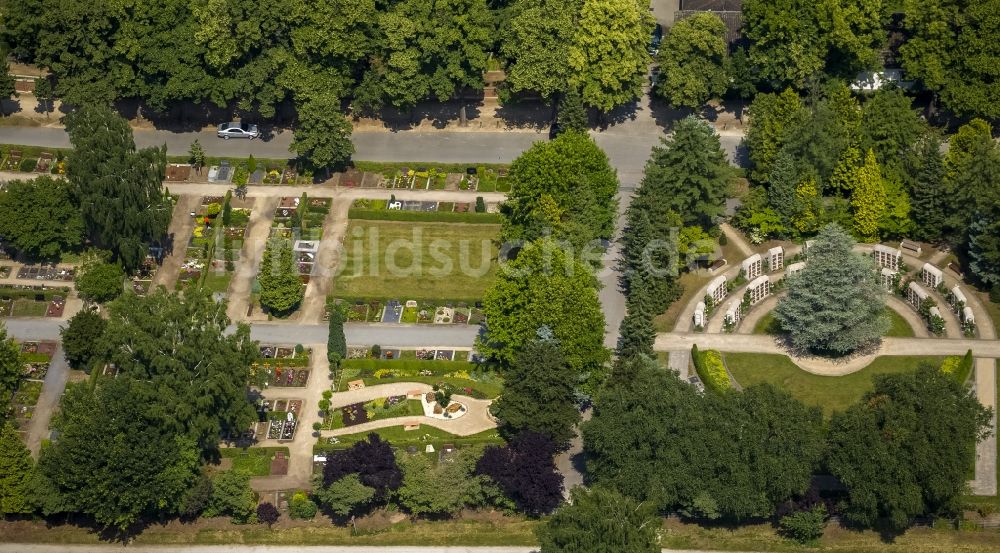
(237, 130)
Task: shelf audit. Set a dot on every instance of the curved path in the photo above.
(758, 311)
(476, 418)
(751, 343)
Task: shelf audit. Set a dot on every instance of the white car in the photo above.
(237, 130)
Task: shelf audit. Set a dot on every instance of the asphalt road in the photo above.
(386, 335)
(627, 145)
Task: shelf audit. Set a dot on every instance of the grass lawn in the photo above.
(898, 327)
(414, 261)
(254, 460)
(24, 307)
(217, 282)
(482, 389)
(27, 393)
(692, 284)
(423, 436)
(832, 393)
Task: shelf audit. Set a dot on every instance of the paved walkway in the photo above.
(752, 343)
(300, 449)
(48, 401)
(179, 234)
(258, 231)
(985, 482)
(324, 269)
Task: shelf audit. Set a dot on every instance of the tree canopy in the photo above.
(566, 187)
(539, 394)
(118, 458)
(835, 305)
(39, 219)
(179, 344)
(733, 456)
(545, 286)
(903, 451)
(117, 187)
(600, 521)
(281, 290)
(694, 58)
(608, 55)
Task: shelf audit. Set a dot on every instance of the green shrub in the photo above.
(710, 369)
(423, 216)
(804, 526)
(958, 367)
(301, 506)
(27, 165)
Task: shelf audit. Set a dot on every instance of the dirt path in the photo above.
(258, 230)
(179, 233)
(571, 463)
(737, 239)
(334, 229)
(985, 482)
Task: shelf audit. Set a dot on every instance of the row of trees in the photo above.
(369, 474)
(111, 199)
(395, 53)
(874, 168)
(132, 444)
(671, 221)
(796, 43)
(753, 453)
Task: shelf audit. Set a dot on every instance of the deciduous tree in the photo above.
(443, 489)
(232, 496)
(903, 450)
(835, 305)
(526, 472)
(16, 467)
(772, 116)
(600, 521)
(548, 185)
(735, 456)
(538, 288)
(11, 367)
(117, 458)
(100, 282)
(694, 56)
(81, 338)
(536, 40)
(39, 219)
(180, 344)
(322, 136)
(336, 342)
(608, 55)
(117, 187)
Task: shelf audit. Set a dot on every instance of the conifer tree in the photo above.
(869, 199)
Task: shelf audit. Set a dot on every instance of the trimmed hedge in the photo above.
(424, 216)
(710, 370)
(407, 367)
(19, 293)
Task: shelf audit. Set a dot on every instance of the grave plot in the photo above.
(178, 172)
(281, 366)
(36, 357)
(143, 278)
(46, 272)
(484, 179)
(376, 409)
(32, 301)
(202, 242)
(227, 242)
(282, 417)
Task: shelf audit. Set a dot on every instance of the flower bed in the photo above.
(461, 375)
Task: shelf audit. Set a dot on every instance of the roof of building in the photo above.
(776, 249)
(918, 290)
(797, 266)
(886, 249)
(932, 269)
(758, 281)
(959, 296)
